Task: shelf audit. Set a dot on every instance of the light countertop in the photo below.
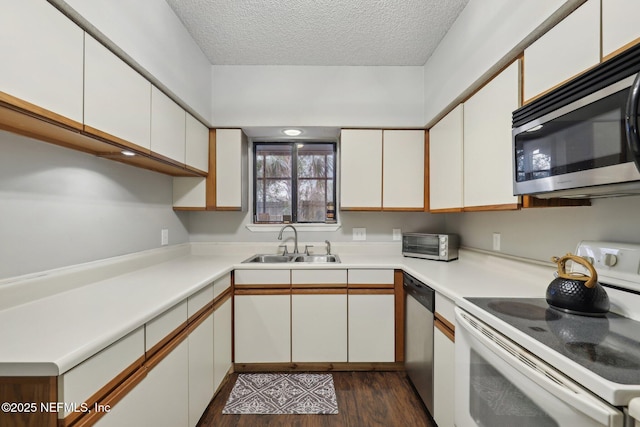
(50, 335)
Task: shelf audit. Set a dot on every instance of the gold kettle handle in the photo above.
(590, 281)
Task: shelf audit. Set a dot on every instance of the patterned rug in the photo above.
(282, 394)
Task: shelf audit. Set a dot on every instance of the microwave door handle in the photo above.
(631, 121)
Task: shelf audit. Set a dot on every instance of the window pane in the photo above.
(311, 166)
(278, 197)
(259, 166)
(312, 205)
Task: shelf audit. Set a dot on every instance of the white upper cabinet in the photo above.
(445, 162)
(488, 166)
(168, 127)
(568, 49)
(197, 144)
(117, 100)
(403, 169)
(42, 56)
(231, 169)
(361, 169)
(619, 25)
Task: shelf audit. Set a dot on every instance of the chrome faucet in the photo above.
(328, 247)
(295, 247)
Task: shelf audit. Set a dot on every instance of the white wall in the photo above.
(151, 34)
(487, 35)
(317, 96)
(60, 207)
(543, 232)
(230, 227)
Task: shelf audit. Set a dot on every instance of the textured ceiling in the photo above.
(317, 32)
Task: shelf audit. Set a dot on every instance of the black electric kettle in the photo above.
(577, 293)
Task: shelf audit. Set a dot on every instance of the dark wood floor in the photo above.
(364, 399)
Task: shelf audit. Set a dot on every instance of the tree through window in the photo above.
(294, 182)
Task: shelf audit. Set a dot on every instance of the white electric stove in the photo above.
(521, 362)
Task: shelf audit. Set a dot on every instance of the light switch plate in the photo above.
(164, 237)
(496, 241)
(397, 234)
(359, 234)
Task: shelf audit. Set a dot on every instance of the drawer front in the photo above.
(445, 307)
(371, 276)
(263, 277)
(84, 380)
(319, 277)
(200, 299)
(160, 327)
(222, 284)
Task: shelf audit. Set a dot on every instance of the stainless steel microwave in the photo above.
(440, 247)
(581, 139)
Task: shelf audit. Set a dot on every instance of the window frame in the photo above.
(294, 180)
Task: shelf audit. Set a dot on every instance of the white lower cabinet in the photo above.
(201, 369)
(371, 328)
(161, 399)
(443, 379)
(222, 336)
(319, 327)
(262, 328)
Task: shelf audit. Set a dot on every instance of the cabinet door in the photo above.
(42, 58)
(361, 169)
(566, 50)
(201, 369)
(117, 100)
(445, 162)
(222, 332)
(488, 163)
(231, 169)
(161, 399)
(371, 328)
(620, 27)
(319, 328)
(443, 379)
(197, 144)
(168, 127)
(190, 192)
(403, 170)
(262, 328)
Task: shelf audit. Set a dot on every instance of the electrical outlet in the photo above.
(359, 234)
(397, 234)
(164, 237)
(496, 241)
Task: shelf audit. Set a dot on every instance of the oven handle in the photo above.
(539, 372)
(631, 121)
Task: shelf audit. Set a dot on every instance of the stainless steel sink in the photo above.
(317, 258)
(279, 258)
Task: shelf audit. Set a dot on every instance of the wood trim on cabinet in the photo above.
(540, 95)
(370, 286)
(399, 315)
(262, 291)
(442, 327)
(170, 345)
(229, 208)
(34, 390)
(534, 202)
(32, 109)
(505, 207)
(426, 172)
(319, 291)
(165, 341)
(115, 140)
(222, 298)
(620, 49)
(413, 209)
(102, 393)
(446, 210)
(445, 322)
(212, 176)
(318, 366)
(372, 291)
(112, 399)
(262, 286)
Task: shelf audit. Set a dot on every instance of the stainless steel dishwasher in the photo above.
(419, 308)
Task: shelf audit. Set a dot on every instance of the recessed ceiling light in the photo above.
(292, 132)
(127, 153)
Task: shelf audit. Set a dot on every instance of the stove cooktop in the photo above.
(608, 346)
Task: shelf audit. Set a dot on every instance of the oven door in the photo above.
(498, 384)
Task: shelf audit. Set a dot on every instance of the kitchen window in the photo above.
(294, 182)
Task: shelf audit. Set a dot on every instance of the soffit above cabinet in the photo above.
(318, 32)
